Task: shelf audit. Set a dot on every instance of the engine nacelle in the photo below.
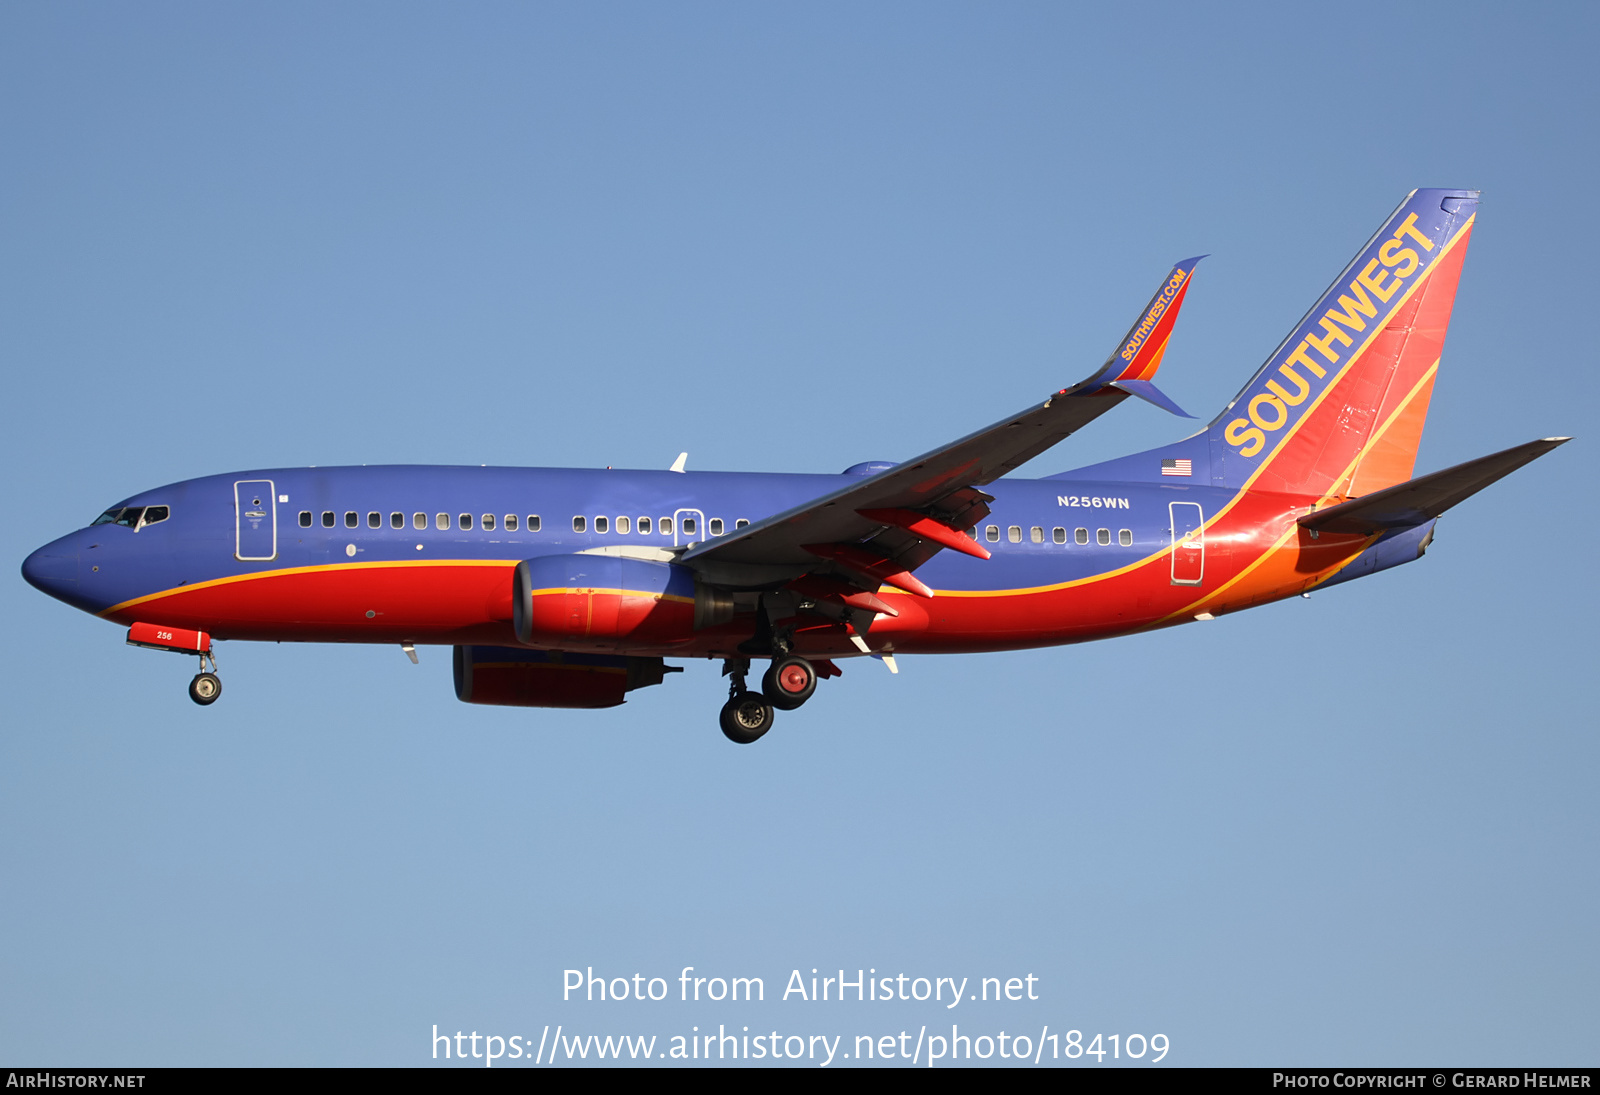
(509, 677)
(600, 601)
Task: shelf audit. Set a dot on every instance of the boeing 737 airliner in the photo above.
(569, 588)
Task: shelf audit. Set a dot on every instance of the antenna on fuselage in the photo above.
(677, 465)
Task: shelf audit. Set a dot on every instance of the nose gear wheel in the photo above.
(205, 688)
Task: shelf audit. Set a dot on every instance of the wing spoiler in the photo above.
(1425, 498)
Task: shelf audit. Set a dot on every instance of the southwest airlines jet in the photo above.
(568, 588)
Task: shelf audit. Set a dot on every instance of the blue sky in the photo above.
(1359, 828)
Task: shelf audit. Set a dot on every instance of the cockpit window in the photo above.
(121, 515)
(130, 516)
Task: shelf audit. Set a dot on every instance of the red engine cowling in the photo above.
(510, 677)
(598, 602)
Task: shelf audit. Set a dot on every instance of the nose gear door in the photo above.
(255, 520)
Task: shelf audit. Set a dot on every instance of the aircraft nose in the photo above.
(53, 569)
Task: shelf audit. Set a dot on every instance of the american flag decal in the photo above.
(1176, 467)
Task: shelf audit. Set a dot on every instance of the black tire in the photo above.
(746, 717)
(205, 688)
(789, 682)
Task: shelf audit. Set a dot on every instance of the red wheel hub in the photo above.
(793, 678)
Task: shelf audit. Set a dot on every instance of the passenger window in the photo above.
(466, 521)
(665, 525)
(741, 523)
(644, 524)
(688, 526)
(533, 522)
(441, 520)
(1103, 537)
(419, 520)
(1081, 535)
(991, 533)
(602, 524)
(1125, 537)
(1036, 534)
(351, 518)
(397, 520)
(622, 525)
(488, 522)
(327, 518)
(152, 514)
(511, 522)
(1014, 533)
(579, 524)
(1058, 534)
(374, 519)
(716, 526)
(305, 518)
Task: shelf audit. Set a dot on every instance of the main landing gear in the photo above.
(788, 683)
(206, 686)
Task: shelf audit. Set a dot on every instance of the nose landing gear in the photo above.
(206, 686)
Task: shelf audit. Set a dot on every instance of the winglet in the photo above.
(1138, 355)
(677, 465)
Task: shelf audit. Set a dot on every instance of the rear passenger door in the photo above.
(1188, 543)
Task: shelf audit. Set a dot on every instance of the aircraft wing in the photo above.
(886, 525)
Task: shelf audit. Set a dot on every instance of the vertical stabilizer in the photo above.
(1338, 408)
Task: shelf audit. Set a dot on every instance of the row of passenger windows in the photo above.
(689, 526)
(1059, 535)
(511, 522)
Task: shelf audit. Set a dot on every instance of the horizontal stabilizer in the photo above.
(1427, 497)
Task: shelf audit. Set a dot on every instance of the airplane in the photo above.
(570, 587)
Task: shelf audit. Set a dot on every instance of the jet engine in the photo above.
(511, 677)
(595, 602)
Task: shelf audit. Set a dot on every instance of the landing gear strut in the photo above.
(747, 715)
(206, 686)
